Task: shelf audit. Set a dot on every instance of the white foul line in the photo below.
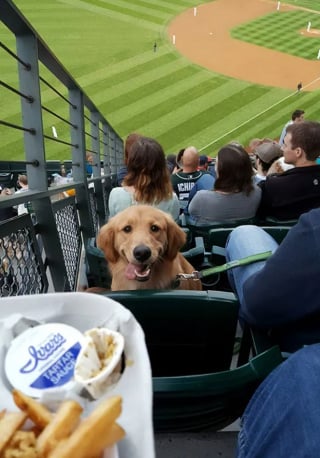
(255, 116)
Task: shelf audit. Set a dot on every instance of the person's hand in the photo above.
(6, 192)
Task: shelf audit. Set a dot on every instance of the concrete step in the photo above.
(196, 445)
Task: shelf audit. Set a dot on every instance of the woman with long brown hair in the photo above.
(234, 195)
(147, 180)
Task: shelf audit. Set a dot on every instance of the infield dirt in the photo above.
(205, 39)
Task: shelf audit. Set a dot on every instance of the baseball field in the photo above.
(221, 70)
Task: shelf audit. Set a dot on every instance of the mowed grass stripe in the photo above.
(122, 67)
(310, 4)
(159, 97)
(180, 115)
(120, 16)
(171, 7)
(178, 100)
(148, 88)
(128, 10)
(109, 93)
(281, 32)
(281, 117)
(208, 115)
(156, 6)
(129, 73)
(242, 115)
(270, 124)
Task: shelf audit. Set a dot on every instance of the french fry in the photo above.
(81, 443)
(21, 445)
(63, 423)
(9, 424)
(37, 412)
(113, 435)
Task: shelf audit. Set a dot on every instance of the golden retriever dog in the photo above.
(141, 245)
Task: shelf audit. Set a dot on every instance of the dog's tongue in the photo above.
(132, 269)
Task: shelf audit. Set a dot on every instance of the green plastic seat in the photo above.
(190, 336)
(204, 230)
(98, 273)
(270, 221)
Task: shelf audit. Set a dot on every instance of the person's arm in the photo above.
(118, 200)
(283, 134)
(175, 208)
(195, 205)
(264, 206)
(288, 286)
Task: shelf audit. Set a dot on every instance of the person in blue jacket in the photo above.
(282, 418)
(280, 295)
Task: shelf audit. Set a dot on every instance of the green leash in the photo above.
(228, 265)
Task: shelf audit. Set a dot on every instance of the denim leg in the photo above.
(283, 417)
(245, 241)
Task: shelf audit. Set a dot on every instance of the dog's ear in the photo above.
(176, 239)
(105, 241)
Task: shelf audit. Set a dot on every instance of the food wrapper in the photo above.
(85, 311)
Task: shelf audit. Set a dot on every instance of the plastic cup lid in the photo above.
(43, 358)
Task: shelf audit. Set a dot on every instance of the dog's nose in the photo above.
(142, 253)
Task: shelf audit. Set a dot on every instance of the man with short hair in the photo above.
(203, 162)
(183, 181)
(297, 116)
(295, 191)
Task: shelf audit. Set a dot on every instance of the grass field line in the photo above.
(303, 8)
(242, 113)
(235, 115)
(255, 116)
(112, 14)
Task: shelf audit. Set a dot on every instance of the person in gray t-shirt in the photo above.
(234, 195)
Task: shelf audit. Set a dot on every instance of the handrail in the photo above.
(85, 123)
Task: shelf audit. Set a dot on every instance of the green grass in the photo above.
(281, 32)
(107, 45)
(309, 4)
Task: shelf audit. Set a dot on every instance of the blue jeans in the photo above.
(245, 241)
(283, 417)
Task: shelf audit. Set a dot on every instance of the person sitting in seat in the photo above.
(282, 418)
(281, 295)
(184, 180)
(296, 191)
(234, 195)
(123, 170)
(265, 155)
(147, 180)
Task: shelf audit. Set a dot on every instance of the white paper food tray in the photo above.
(85, 311)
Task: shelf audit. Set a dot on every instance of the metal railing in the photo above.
(63, 225)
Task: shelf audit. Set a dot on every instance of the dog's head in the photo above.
(141, 236)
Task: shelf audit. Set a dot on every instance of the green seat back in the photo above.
(204, 231)
(190, 337)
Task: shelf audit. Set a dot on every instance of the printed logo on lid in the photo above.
(43, 357)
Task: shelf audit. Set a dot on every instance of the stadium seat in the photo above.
(190, 336)
(270, 221)
(204, 230)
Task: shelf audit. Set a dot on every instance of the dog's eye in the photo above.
(155, 228)
(127, 229)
